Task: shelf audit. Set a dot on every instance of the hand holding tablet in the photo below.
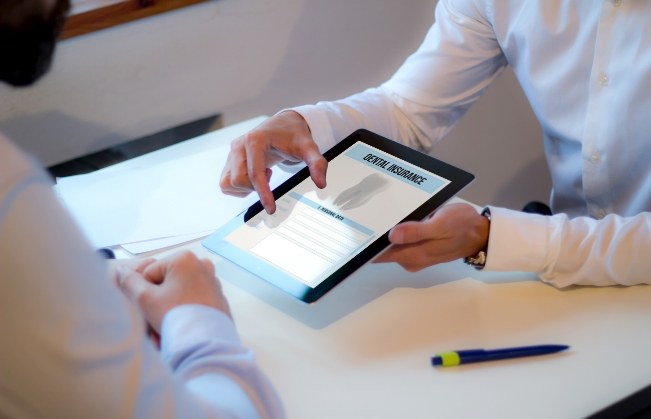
(318, 237)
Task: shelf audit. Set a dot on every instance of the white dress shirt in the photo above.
(585, 67)
(74, 347)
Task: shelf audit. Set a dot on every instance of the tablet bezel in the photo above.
(458, 179)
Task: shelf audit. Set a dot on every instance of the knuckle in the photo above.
(225, 183)
(144, 298)
(255, 138)
(188, 255)
(240, 182)
(258, 176)
(413, 267)
(416, 263)
(207, 263)
(238, 143)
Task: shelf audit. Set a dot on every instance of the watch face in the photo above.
(478, 261)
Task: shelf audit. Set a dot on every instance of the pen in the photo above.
(449, 359)
(106, 253)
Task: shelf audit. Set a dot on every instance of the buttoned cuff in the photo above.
(518, 241)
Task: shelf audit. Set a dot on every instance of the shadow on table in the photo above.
(364, 286)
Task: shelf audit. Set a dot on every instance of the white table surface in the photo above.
(363, 350)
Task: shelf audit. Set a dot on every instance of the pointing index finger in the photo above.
(259, 175)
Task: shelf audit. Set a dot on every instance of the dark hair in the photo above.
(28, 38)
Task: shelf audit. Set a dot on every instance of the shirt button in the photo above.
(617, 3)
(594, 158)
(603, 79)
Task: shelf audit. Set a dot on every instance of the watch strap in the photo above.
(478, 261)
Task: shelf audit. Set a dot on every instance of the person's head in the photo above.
(28, 33)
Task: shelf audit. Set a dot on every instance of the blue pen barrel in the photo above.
(467, 356)
(473, 355)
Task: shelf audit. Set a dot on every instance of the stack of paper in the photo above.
(147, 208)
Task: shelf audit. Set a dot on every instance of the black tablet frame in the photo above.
(458, 179)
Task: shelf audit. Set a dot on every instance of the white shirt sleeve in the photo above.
(203, 348)
(577, 251)
(459, 58)
(429, 93)
(74, 347)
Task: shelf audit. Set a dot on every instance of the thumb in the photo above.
(132, 283)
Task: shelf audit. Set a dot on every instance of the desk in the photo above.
(363, 350)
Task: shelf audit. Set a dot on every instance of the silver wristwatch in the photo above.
(478, 261)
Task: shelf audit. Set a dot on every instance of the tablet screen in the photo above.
(314, 232)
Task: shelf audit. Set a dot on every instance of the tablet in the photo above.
(318, 237)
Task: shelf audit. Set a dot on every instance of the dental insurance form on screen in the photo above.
(315, 231)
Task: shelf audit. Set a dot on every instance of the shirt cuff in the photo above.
(518, 241)
(191, 325)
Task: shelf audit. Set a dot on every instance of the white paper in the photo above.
(175, 198)
(139, 248)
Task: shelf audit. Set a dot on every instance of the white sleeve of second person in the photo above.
(74, 347)
(203, 348)
(578, 251)
(455, 64)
